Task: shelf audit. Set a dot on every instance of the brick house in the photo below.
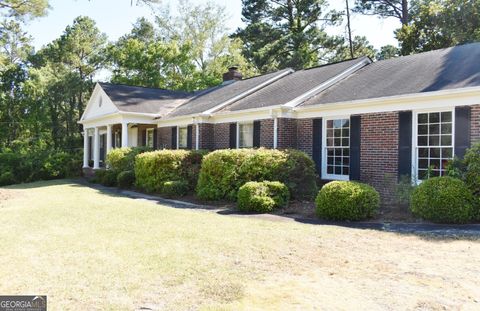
(358, 119)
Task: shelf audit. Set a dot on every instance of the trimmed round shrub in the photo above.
(223, 172)
(6, 178)
(175, 188)
(262, 197)
(443, 200)
(347, 200)
(152, 169)
(126, 179)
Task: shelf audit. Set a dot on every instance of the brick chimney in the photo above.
(232, 75)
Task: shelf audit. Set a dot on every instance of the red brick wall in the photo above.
(266, 133)
(475, 124)
(305, 135)
(164, 136)
(194, 136)
(221, 136)
(287, 133)
(379, 152)
(206, 136)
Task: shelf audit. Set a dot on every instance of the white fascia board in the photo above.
(246, 93)
(119, 117)
(437, 99)
(300, 99)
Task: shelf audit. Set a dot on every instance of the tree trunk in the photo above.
(405, 16)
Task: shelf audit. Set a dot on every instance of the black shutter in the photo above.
(256, 134)
(404, 144)
(189, 136)
(174, 137)
(155, 138)
(462, 131)
(113, 140)
(233, 135)
(355, 122)
(144, 137)
(317, 145)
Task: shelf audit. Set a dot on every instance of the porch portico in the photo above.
(123, 116)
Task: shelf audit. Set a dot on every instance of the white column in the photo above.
(124, 134)
(197, 136)
(275, 133)
(96, 149)
(109, 138)
(85, 148)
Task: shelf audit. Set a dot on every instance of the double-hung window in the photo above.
(433, 143)
(149, 138)
(182, 137)
(245, 135)
(336, 153)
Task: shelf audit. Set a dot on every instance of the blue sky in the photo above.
(115, 18)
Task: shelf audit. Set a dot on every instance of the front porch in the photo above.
(99, 140)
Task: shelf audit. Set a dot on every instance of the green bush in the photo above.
(472, 174)
(7, 178)
(123, 159)
(175, 188)
(262, 197)
(223, 172)
(126, 179)
(347, 200)
(106, 177)
(154, 168)
(443, 199)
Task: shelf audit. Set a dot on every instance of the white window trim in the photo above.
(178, 136)
(238, 133)
(324, 149)
(415, 113)
(146, 138)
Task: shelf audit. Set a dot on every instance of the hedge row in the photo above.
(19, 167)
(225, 171)
(154, 169)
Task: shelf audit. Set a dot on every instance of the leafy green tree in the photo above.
(388, 51)
(385, 8)
(439, 24)
(23, 8)
(202, 27)
(286, 33)
(360, 45)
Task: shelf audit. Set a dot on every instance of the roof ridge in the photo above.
(145, 87)
(335, 63)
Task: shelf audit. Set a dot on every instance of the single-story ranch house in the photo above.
(358, 119)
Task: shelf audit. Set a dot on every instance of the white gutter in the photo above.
(300, 99)
(246, 93)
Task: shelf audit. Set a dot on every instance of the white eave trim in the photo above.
(147, 116)
(389, 100)
(300, 99)
(246, 93)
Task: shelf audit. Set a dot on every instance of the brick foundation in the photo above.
(379, 153)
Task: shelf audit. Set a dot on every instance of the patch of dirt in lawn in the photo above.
(7, 194)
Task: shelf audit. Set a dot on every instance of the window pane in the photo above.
(330, 161)
(337, 133)
(434, 152)
(346, 132)
(447, 128)
(338, 170)
(330, 124)
(423, 152)
(446, 140)
(329, 169)
(447, 153)
(329, 133)
(423, 129)
(423, 140)
(423, 163)
(182, 137)
(345, 170)
(434, 117)
(422, 118)
(337, 123)
(446, 116)
(434, 129)
(246, 135)
(338, 151)
(435, 164)
(345, 142)
(434, 140)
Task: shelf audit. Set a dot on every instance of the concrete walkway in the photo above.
(442, 230)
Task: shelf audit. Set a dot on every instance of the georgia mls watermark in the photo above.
(23, 303)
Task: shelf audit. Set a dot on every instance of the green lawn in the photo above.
(88, 250)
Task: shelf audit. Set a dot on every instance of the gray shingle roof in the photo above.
(144, 100)
(451, 68)
(292, 86)
(210, 98)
